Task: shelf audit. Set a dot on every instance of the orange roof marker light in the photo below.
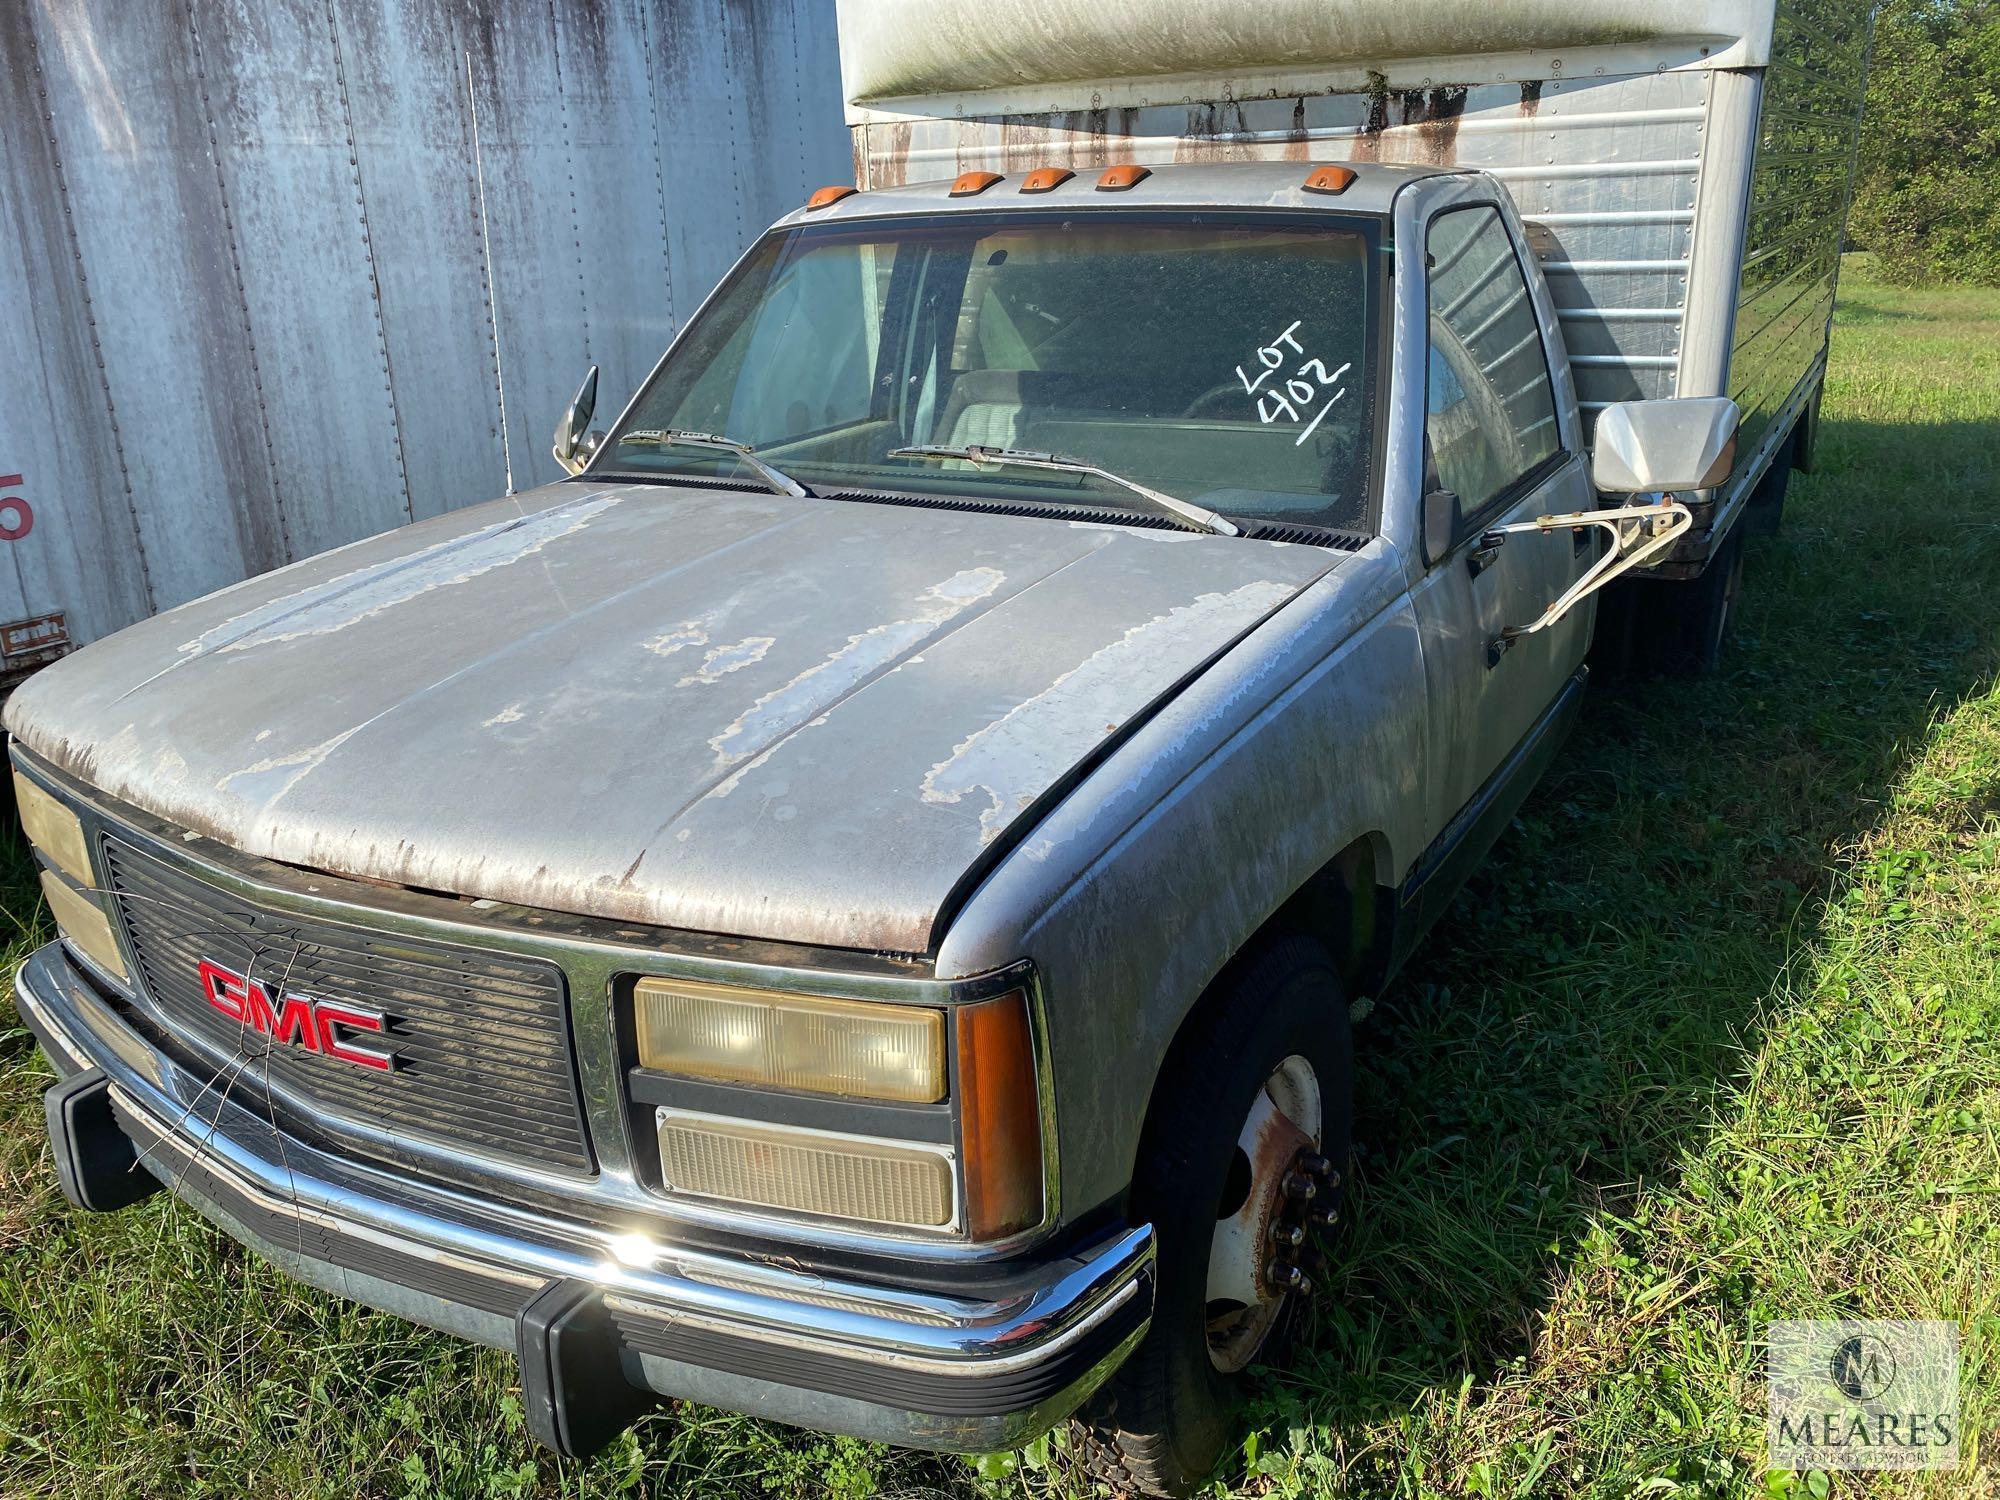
(1046, 179)
(970, 183)
(1117, 179)
(1329, 179)
(826, 197)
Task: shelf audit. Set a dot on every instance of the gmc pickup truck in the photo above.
(847, 907)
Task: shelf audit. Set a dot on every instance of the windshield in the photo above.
(1230, 363)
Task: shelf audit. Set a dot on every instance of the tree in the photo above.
(1927, 193)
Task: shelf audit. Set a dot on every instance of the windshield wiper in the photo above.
(673, 437)
(1200, 517)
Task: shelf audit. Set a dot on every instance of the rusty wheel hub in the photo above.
(1279, 1190)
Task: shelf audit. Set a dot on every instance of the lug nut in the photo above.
(1300, 1187)
(1293, 1235)
(1285, 1277)
(1314, 1165)
(1324, 1218)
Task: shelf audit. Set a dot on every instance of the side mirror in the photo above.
(1675, 445)
(1442, 517)
(573, 449)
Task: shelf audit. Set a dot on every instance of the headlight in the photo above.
(981, 1174)
(774, 1166)
(83, 925)
(53, 829)
(851, 1048)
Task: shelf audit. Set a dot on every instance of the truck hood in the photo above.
(802, 720)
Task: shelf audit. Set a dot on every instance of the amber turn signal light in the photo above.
(1046, 179)
(1329, 179)
(969, 183)
(1117, 179)
(1000, 1115)
(826, 197)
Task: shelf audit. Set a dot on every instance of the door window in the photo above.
(1491, 410)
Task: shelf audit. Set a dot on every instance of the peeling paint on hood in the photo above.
(338, 602)
(1013, 759)
(800, 720)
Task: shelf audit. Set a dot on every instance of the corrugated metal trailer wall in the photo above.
(1605, 169)
(280, 266)
(1638, 156)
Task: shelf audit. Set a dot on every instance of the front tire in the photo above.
(1270, 1042)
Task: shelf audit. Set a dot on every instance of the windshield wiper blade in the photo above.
(1198, 516)
(674, 437)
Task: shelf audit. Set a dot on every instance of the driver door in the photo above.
(1495, 441)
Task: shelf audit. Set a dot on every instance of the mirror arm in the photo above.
(1639, 533)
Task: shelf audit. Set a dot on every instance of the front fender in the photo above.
(1134, 892)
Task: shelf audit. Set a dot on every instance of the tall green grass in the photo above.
(1710, 1041)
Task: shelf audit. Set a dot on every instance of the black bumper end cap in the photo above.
(96, 1162)
(573, 1381)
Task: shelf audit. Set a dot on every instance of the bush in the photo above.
(1927, 195)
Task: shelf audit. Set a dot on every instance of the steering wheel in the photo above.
(1210, 396)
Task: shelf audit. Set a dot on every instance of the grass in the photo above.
(1709, 1042)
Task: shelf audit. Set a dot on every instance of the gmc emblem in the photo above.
(316, 1025)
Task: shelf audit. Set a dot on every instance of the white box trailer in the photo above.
(1685, 171)
(278, 277)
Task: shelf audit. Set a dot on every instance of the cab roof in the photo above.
(1246, 184)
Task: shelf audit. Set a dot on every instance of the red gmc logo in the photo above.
(316, 1025)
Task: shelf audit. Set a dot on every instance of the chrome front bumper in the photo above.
(965, 1373)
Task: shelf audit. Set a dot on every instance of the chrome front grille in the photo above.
(480, 1040)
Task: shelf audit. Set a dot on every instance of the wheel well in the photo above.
(1345, 907)
(1349, 907)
